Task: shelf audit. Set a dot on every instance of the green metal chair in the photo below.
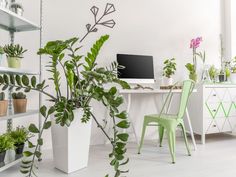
(170, 122)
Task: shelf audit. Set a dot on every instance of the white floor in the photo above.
(215, 159)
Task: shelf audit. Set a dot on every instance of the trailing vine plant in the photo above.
(85, 82)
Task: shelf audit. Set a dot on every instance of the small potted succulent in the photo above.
(20, 135)
(3, 104)
(169, 70)
(19, 102)
(1, 54)
(14, 55)
(6, 143)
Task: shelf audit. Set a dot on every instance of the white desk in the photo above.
(161, 92)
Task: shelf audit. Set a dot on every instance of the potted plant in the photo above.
(6, 143)
(1, 54)
(233, 71)
(3, 104)
(192, 68)
(20, 136)
(14, 55)
(19, 102)
(169, 70)
(213, 73)
(222, 76)
(85, 82)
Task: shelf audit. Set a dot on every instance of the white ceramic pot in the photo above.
(71, 144)
(167, 81)
(233, 78)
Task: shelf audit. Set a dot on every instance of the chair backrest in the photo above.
(188, 86)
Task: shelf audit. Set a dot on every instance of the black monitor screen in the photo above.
(136, 66)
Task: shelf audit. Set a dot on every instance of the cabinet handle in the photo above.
(214, 125)
(214, 94)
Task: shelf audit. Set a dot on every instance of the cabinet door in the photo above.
(210, 126)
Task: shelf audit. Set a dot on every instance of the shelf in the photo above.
(7, 165)
(10, 21)
(15, 116)
(6, 70)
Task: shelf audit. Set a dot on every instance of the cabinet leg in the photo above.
(203, 138)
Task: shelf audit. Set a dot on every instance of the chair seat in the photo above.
(163, 116)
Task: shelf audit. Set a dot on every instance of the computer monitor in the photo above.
(137, 68)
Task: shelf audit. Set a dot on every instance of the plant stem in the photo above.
(99, 126)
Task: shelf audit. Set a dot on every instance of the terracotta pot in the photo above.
(19, 105)
(3, 107)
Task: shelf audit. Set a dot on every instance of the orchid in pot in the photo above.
(85, 82)
(192, 67)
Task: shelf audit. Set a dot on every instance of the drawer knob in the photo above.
(214, 94)
(214, 125)
(214, 110)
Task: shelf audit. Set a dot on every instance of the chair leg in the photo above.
(142, 137)
(172, 141)
(185, 138)
(161, 134)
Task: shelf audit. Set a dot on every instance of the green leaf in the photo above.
(30, 144)
(123, 124)
(33, 128)
(25, 80)
(123, 136)
(6, 79)
(18, 80)
(27, 153)
(40, 141)
(43, 111)
(122, 115)
(23, 171)
(33, 81)
(38, 154)
(12, 79)
(51, 110)
(113, 90)
(47, 125)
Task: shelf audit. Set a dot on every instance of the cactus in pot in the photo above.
(19, 102)
(3, 104)
(14, 55)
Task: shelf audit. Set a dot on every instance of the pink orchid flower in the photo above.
(195, 43)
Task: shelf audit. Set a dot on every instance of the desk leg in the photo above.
(191, 129)
(129, 119)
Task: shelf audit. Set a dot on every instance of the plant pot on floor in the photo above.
(71, 144)
(2, 156)
(19, 148)
(3, 107)
(19, 105)
(14, 62)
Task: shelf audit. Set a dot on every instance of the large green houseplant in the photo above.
(85, 82)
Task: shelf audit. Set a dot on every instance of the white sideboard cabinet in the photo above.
(213, 109)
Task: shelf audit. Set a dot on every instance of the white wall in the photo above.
(162, 28)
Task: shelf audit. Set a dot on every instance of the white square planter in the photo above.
(71, 144)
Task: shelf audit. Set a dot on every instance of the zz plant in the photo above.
(85, 82)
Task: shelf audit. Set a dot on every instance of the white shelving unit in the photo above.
(11, 22)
